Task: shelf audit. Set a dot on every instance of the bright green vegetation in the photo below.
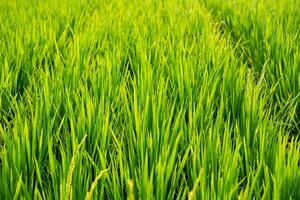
(174, 99)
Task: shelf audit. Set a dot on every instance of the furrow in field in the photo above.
(266, 35)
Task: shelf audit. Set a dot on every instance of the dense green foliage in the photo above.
(173, 99)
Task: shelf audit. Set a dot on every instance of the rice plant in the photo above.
(132, 99)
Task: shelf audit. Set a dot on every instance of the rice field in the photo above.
(150, 99)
